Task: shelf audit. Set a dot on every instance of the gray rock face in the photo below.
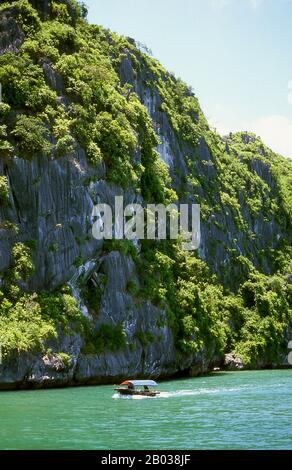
(218, 232)
(51, 203)
(150, 350)
(231, 362)
(11, 36)
(42, 370)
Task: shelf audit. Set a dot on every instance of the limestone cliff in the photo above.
(87, 115)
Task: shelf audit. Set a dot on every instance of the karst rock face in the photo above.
(51, 201)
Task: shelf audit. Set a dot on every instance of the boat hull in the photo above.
(126, 392)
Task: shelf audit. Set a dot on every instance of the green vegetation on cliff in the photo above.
(27, 321)
(62, 89)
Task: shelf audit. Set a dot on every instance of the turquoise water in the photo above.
(234, 410)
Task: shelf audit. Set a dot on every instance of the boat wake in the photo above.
(202, 391)
(129, 397)
(180, 393)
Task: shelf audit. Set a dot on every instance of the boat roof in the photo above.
(140, 383)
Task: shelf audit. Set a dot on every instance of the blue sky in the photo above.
(236, 54)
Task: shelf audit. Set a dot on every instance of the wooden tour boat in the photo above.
(143, 388)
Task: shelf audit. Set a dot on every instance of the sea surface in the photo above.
(226, 410)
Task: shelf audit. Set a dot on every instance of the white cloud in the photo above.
(276, 133)
(220, 118)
